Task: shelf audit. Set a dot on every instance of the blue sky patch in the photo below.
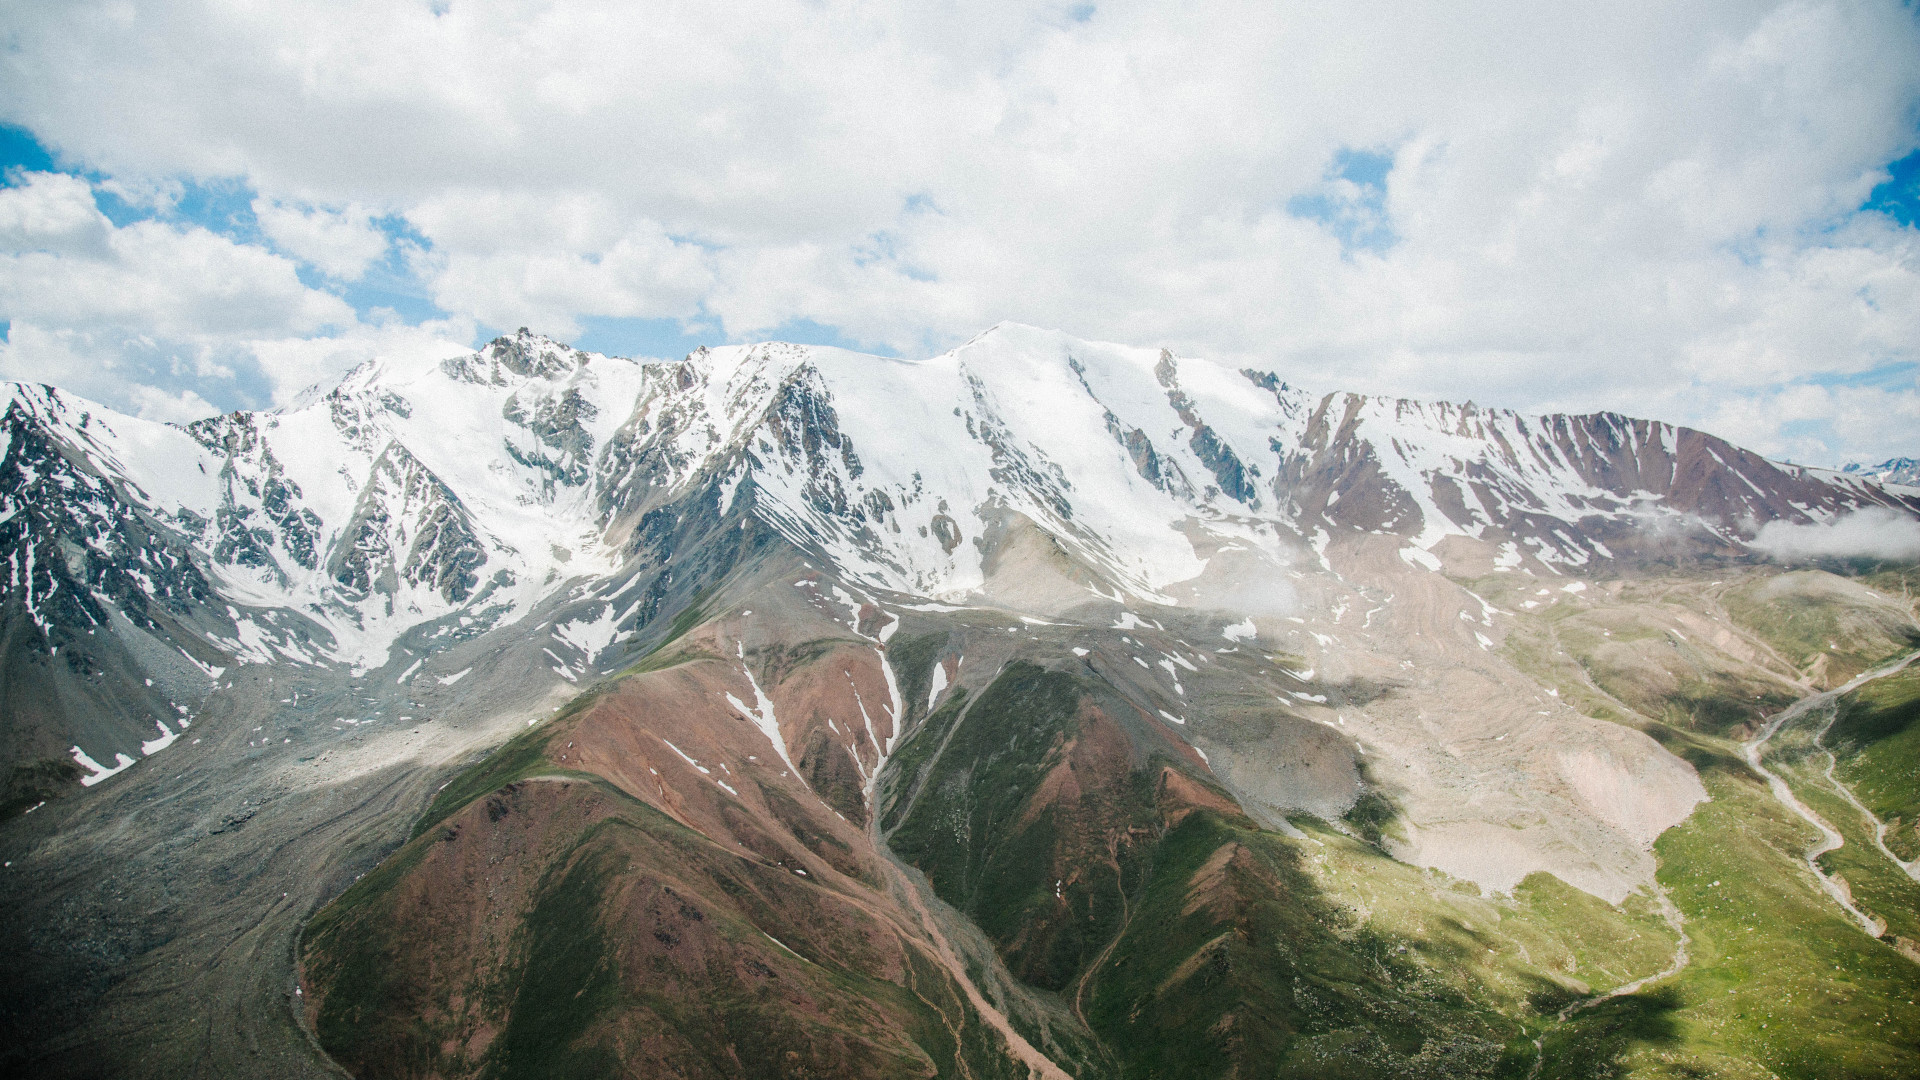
(388, 282)
(808, 332)
(666, 339)
(1893, 375)
(671, 339)
(20, 150)
(224, 207)
(1898, 196)
(1809, 432)
(1352, 201)
(1364, 167)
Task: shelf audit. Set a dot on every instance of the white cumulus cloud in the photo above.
(341, 243)
(152, 316)
(1873, 532)
(1645, 206)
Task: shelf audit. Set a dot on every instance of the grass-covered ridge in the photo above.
(1315, 955)
(1005, 857)
(525, 754)
(1876, 738)
(543, 922)
(1231, 936)
(1826, 626)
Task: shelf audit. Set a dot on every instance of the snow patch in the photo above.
(594, 636)
(154, 746)
(97, 771)
(939, 684)
(686, 758)
(1419, 557)
(762, 716)
(1509, 557)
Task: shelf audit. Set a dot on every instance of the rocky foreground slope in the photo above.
(1046, 707)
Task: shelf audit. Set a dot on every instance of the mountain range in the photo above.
(1900, 470)
(1045, 707)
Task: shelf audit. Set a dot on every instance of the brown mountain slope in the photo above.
(643, 886)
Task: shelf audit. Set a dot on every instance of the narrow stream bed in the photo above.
(1830, 839)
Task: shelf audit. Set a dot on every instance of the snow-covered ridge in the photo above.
(464, 492)
(1118, 452)
(401, 496)
(1901, 470)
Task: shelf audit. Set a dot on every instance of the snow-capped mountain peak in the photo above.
(430, 502)
(1900, 470)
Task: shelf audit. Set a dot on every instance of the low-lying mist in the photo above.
(1871, 532)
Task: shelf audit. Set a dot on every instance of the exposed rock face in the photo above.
(259, 510)
(94, 594)
(407, 527)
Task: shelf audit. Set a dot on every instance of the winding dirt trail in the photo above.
(1080, 986)
(1830, 839)
(1911, 869)
(1753, 750)
(1681, 958)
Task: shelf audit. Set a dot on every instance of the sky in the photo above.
(1700, 211)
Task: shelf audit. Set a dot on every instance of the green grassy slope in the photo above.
(1876, 738)
(1198, 944)
(1877, 886)
(993, 851)
(1819, 623)
(1781, 983)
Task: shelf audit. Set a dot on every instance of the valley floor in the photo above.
(1050, 883)
(1789, 975)
(154, 920)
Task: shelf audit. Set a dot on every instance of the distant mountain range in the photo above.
(1900, 470)
(1046, 706)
